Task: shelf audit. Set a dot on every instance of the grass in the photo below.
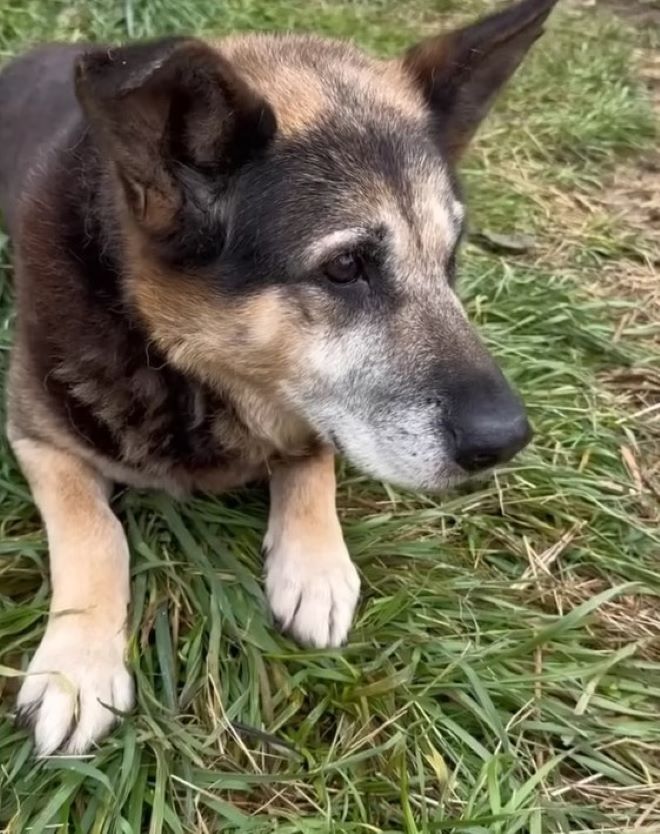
(504, 671)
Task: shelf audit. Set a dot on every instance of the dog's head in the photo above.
(292, 220)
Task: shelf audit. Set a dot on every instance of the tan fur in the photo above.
(202, 333)
(88, 549)
(248, 346)
(282, 70)
(303, 500)
(297, 95)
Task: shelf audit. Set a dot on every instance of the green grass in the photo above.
(504, 671)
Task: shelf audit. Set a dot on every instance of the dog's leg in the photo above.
(78, 670)
(312, 585)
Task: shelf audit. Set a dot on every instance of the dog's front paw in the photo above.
(312, 590)
(73, 679)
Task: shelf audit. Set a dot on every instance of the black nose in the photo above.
(489, 424)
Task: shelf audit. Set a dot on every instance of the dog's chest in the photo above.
(138, 413)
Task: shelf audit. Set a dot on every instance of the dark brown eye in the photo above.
(344, 269)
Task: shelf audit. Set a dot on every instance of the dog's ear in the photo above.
(462, 71)
(166, 110)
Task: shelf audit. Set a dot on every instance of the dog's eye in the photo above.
(344, 269)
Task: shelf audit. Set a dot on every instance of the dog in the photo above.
(234, 260)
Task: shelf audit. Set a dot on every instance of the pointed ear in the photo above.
(461, 72)
(162, 108)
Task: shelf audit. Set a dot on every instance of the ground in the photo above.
(504, 671)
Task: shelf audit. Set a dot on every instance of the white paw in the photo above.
(312, 594)
(74, 674)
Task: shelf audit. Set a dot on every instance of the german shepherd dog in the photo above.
(234, 260)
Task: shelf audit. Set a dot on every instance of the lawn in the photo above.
(504, 671)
